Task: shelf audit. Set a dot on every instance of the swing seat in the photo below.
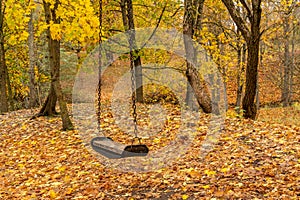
(112, 150)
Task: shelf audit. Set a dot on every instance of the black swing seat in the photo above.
(110, 149)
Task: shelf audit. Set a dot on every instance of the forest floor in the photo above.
(250, 160)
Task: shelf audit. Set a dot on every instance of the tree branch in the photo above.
(157, 25)
(247, 9)
(239, 21)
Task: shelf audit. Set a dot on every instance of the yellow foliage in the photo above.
(55, 30)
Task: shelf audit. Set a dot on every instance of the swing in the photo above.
(110, 149)
(105, 145)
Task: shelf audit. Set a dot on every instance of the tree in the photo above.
(192, 15)
(48, 108)
(288, 30)
(33, 94)
(241, 55)
(16, 35)
(54, 62)
(250, 30)
(128, 23)
(3, 68)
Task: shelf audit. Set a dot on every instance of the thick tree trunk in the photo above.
(54, 50)
(3, 86)
(249, 106)
(189, 27)
(3, 71)
(48, 108)
(54, 55)
(33, 97)
(128, 23)
(200, 89)
(189, 98)
(250, 30)
(196, 26)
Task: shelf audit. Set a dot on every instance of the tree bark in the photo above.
(198, 84)
(249, 106)
(128, 22)
(292, 68)
(49, 106)
(54, 56)
(241, 52)
(9, 90)
(3, 70)
(285, 94)
(252, 37)
(33, 97)
(196, 24)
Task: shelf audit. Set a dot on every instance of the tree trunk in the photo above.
(9, 90)
(196, 25)
(250, 30)
(249, 106)
(3, 71)
(33, 97)
(261, 54)
(189, 98)
(292, 68)
(285, 94)
(189, 27)
(240, 80)
(128, 23)
(48, 108)
(54, 56)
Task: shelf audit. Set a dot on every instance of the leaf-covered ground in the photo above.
(251, 160)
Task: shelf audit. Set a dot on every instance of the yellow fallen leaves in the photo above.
(24, 127)
(52, 194)
(194, 173)
(62, 168)
(21, 166)
(69, 191)
(34, 168)
(67, 179)
(209, 172)
(206, 186)
(57, 183)
(225, 169)
(156, 140)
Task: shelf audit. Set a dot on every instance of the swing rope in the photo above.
(133, 90)
(99, 68)
(132, 70)
(105, 145)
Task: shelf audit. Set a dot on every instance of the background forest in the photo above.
(255, 46)
(25, 73)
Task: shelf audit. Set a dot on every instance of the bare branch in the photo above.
(247, 9)
(157, 25)
(239, 21)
